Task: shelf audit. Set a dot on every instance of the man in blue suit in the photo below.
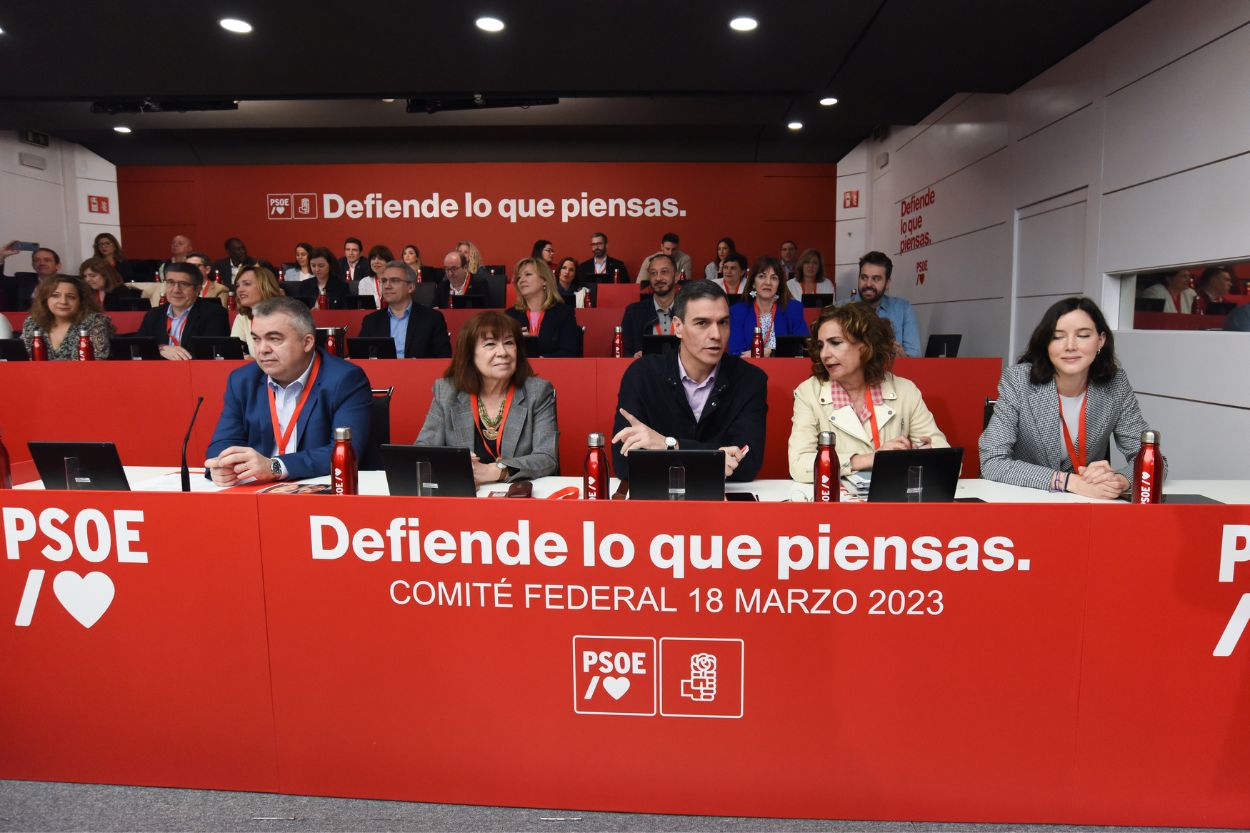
(281, 410)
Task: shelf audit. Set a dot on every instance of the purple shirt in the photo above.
(696, 392)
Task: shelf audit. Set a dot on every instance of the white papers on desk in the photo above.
(859, 482)
(171, 481)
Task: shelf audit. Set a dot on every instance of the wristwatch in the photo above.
(276, 468)
(670, 443)
(503, 469)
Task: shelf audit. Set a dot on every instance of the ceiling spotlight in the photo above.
(388, 101)
(490, 24)
(828, 101)
(743, 24)
(795, 125)
(121, 129)
(1, 30)
(239, 27)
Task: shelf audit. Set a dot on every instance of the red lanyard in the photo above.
(535, 324)
(280, 436)
(872, 418)
(204, 289)
(1176, 300)
(1077, 457)
(772, 322)
(175, 340)
(497, 447)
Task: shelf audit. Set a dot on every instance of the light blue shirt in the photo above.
(399, 328)
(285, 400)
(899, 313)
(177, 323)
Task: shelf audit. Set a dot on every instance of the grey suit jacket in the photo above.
(1023, 444)
(530, 436)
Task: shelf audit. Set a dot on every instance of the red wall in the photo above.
(757, 205)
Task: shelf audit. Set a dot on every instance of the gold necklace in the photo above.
(490, 427)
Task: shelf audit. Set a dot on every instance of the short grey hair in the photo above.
(410, 275)
(292, 308)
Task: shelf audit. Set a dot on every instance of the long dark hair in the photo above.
(1037, 354)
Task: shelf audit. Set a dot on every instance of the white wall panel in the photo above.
(1058, 92)
(1205, 118)
(855, 162)
(1200, 215)
(975, 265)
(10, 150)
(983, 324)
(1201, 442)
(851, 245)
(973, 198)
(1052, 252)
(1189, 364)
(852, 182)
(1063, 157)
(32, 210)
(88, 165)
(1029, 311)
(969, 132)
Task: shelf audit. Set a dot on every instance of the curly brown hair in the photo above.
(862, 326)
(43, 316)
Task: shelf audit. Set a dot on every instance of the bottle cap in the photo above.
(595, 440)
(343, 433)
(618, 328)
(82, 331)
(825, 438)
(1150, 436)
(758, 331)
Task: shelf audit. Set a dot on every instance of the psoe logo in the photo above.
(304, 206)
(278, 206)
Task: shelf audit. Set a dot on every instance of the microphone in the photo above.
(186, 472)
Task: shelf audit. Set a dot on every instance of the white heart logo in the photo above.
(85, 597)
(279, 209)
(616, 686)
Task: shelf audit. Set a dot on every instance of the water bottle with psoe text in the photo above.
(1148, 470)
(618, 344)
(232, 303)
(343, 463)
(322, 301)
(38, 346)
(825, 470)
(757, 344)
(595, 475)
(86, 350)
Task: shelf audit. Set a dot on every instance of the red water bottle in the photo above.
(216, 276)
(1148, 470)
(419, 278)
(232, 302)
(825, 470)
(6, 474)
(588, 301)
(681, 276)
(322, 301)
(616, 276)
(160, 281)
(86, 350)
(595, 475)
(38, 346)
(618, 344)
(1200, 304)
(757, 344)
(343, 463)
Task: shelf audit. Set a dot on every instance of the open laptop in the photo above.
(791, 346)
(370, 347)
(134, 347)
(817, 299)
(79, 466)
(13, 350)
(915, 475)
(697, 474)
(444, 472)
(659, 344)
(943, 346)
(215, 347)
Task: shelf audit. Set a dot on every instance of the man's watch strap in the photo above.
(277, 468)
(670, 443)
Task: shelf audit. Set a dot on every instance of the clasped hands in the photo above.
(239, 464)
(1097, 480)
(639, 435)
(862, 462)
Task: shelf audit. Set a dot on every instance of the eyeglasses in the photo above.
(183, 284)
(391, 281)
(452, 268)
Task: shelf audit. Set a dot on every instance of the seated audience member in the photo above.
(179, 248)
(411, 255)
(696, 397)
(733, 268)
(540, 312)
(668, 247)
(1174, 291)
(210, 289)
(304, 390)
(1059, 407)
(544, 251)
(789, 267)
(490, 401)
(852, 393)
(106, 247)
(352, 267)
(601, 267)
(419, 332)
(301, 271)
(874, 280)
(653, 315)
(724, 248)
(252, 285)
(379, 256)
(236, 258)
(61, 307)
(1238, 320)
(474, 258)
(809, 278)
(182, 318)
(573, 290)
(325, 280)
(1213, 284)
(105, 283)
(43, 261)
(771, 309)
(458, 280)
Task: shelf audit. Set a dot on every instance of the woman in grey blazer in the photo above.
(490, 402)
(1058, 409)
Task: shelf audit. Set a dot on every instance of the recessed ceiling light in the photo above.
(239, 27)
(121, 129)
(743, 24)
(795, 125)
(388, 101)
(1, 30)
(490, 24)
(828, 101)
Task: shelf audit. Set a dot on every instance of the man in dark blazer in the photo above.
(174, 323)
(696, 398)
(457, 281)
(298, 383)
(236, 258)
(353, 266)
(419, 332)
(653, 315)
(601, 267)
